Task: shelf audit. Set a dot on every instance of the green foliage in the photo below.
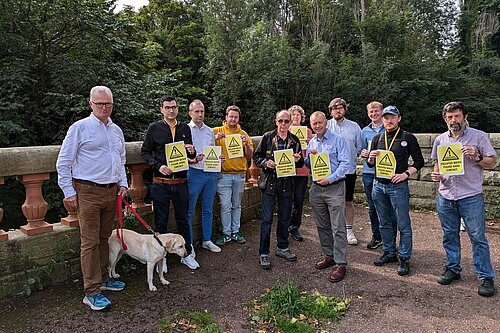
(187, 321)
(286, 307)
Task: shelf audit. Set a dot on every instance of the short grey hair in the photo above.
(100, 89)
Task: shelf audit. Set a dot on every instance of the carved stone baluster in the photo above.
(72, 219)
(137, 188)
(254, 173)
(3, 234)
(35, 207)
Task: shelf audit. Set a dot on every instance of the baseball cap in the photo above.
(391, 109)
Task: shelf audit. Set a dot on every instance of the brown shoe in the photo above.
(325, 263)
(338, 273)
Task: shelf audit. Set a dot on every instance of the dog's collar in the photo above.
(155, 235)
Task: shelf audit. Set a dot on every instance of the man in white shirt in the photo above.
(91, 171)
(351, 132)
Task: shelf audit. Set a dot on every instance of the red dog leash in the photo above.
(119, 213)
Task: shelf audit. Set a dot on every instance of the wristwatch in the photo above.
(407, 173)
(480, 157)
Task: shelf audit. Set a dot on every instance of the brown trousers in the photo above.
(96, 213)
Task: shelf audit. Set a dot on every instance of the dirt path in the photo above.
(381, 300)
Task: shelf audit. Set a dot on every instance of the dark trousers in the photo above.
(298, 201)
(284, 208)
(161, 195)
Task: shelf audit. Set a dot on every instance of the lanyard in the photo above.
(392, 141)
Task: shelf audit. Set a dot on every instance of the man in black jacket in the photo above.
(275, 187)
(168, 185)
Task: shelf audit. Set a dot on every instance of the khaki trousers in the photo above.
(96, 214)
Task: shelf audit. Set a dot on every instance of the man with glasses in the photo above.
(280, 188)
(351, 132)
(91, 173)
(231, 181)
(168, 185)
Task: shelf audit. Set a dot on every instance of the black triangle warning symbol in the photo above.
(284, 160)
(320, 163)
(176, 153)
(386, 161)
(299, 134)
(212, 155)
(233, 143)
(450, 155)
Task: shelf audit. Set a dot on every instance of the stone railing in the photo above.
(41, 253)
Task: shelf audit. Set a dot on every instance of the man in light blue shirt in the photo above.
(374, 111)
(351, 132)
(327, 196)
(91, 172)
(199, 181)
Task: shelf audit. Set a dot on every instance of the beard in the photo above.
(456, 127)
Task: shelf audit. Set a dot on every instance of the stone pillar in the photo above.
(35, 207)
(72, 219)
(137, 188)
(3, 234)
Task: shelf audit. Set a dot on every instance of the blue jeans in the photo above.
(300, 186)
(368, 179)
(471, 209)
(392, 202)
(161, 194)
(230, 188)
(284, 208)
(204, 183)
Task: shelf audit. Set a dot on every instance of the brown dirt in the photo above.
(381, 300)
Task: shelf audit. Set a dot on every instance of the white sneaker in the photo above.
(190, 262)
(351, 239)
(192, 251)
(210, 246)
(164, 266)
(462, 225)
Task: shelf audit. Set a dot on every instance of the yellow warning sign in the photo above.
(285, 165)
(234, 145)
(450, 159)
(385, 164)
(212, 162)
(301, 133)
(320, 166)
(176, 156)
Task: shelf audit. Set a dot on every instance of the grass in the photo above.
(286, 308)
(189, 322)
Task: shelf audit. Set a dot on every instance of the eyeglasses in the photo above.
(100, 105)
(281, 121)
(337, 107)
(170, 108)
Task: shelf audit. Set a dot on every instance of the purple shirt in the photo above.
(458, 187)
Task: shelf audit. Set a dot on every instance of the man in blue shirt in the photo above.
(327, 196)
(374, 111)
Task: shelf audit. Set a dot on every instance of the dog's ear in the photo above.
(169, 245)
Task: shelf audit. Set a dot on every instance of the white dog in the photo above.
(147, 250)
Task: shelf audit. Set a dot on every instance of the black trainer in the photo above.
(486, 288)
(448, 277)
(374, 243)
(295, 233)
(385, 259)
(404, 266)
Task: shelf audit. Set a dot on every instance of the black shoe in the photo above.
(385, 259)
(486, 288)
(448, 277)
(404, 266)
(265, 263)
(374, 243)
(295, 233)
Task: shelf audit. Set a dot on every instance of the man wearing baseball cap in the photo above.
(391, 194)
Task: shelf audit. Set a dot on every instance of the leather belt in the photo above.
(170, 181)
(334, 183)
(88, 182)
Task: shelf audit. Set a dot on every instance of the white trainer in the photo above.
(351, 238)
(164, 266)
(462, 225)
(190, 262)
(210, 246)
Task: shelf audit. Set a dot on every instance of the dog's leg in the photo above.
(114, 257)
(160, 273)
(150, 268)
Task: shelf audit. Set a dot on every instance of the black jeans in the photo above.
(298, 201)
